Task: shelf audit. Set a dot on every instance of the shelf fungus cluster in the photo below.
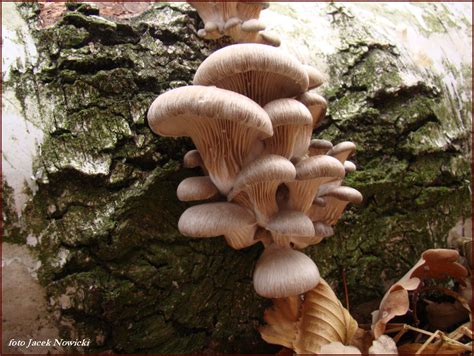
(238, 20)
(251, 114)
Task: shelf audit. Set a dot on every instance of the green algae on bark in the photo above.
(105, 213)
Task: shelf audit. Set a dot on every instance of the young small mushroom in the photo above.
(225, 127)
(321, 231)
(342, 151)
(316, 78)
(237, 224)
(193, 159)
(349, 166)
(319, 147)
(262, 73)
(316, 105)
(196, 188)
(288, 226)
(292, 127)
(259, 181)
(282, 272)
(336, 201)
(212, 14)
(310, 174)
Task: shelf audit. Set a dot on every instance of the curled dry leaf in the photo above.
(306, 325)
(434, 263)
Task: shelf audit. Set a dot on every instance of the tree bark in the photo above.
(103, 218)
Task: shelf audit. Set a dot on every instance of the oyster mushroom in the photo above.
(349, 166)
(259, 181)
(321, 231)
(336, 201)
(342, 151)
(214, 15)
(288, 226)
(262, 73)
(316, 105)
(292, 128)
(225, 127)
(193, 159)
(196, 188)
(319, 147)
(310, 174)
(250, 10)
(283, 272)
(237, 224)
(316, 78)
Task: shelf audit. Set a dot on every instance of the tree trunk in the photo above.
(101, 210)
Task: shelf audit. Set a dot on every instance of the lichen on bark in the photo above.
(105, 213)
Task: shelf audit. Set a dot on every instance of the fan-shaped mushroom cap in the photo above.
(283, 272)
(316, 78)
(292, 127)
(342, 151)
(260, 180)
(321, 231)
(237, 224)
(310, 174)
(224, 126)
(196, 188)
(349, 166)
(268, 38)
(288, 226)
(260, 72)
(316, 104)
(336, 200)
(319, 147)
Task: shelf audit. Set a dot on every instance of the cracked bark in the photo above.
(114, 264)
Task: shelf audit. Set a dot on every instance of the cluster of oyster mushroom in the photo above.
(239, 20)
(250, 114)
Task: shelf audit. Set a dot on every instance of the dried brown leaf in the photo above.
(434, 263)
(305, 326)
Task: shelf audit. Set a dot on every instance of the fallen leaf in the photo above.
(434, 263)
(445, 315)
(306, 325)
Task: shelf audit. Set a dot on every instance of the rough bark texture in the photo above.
(104, 217)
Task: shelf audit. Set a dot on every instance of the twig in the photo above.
(344, 283)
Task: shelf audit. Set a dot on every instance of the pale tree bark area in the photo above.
(102, 214)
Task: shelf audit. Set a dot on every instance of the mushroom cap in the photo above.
(214, 219)
(323, 230)
(253, 25)
(316, 104)
(192, 159)
(288, 112)
(264, 169)
(319, 147)
(291, 223)
(283, 272)
(196, 188)
(349, 166)
(345, 194)
(170, 113)
(319, 166)
(316, 78)
(233, 67)
(269, 38)
(342, 150)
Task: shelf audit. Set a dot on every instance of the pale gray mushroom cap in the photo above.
(196, 188)
(349, 166)
(225, 127)
(321, 230)
(237, 224)
(318, 167)
(264, 169)
(292, 126)
(316, 78)
(192, 159)
(253, 25)
(344, 193)
(342, 151)
(316, 104)
(257, 183)
(319, 147)
(172, 112)
(289, 225)
(283, 272)
(260, 72)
